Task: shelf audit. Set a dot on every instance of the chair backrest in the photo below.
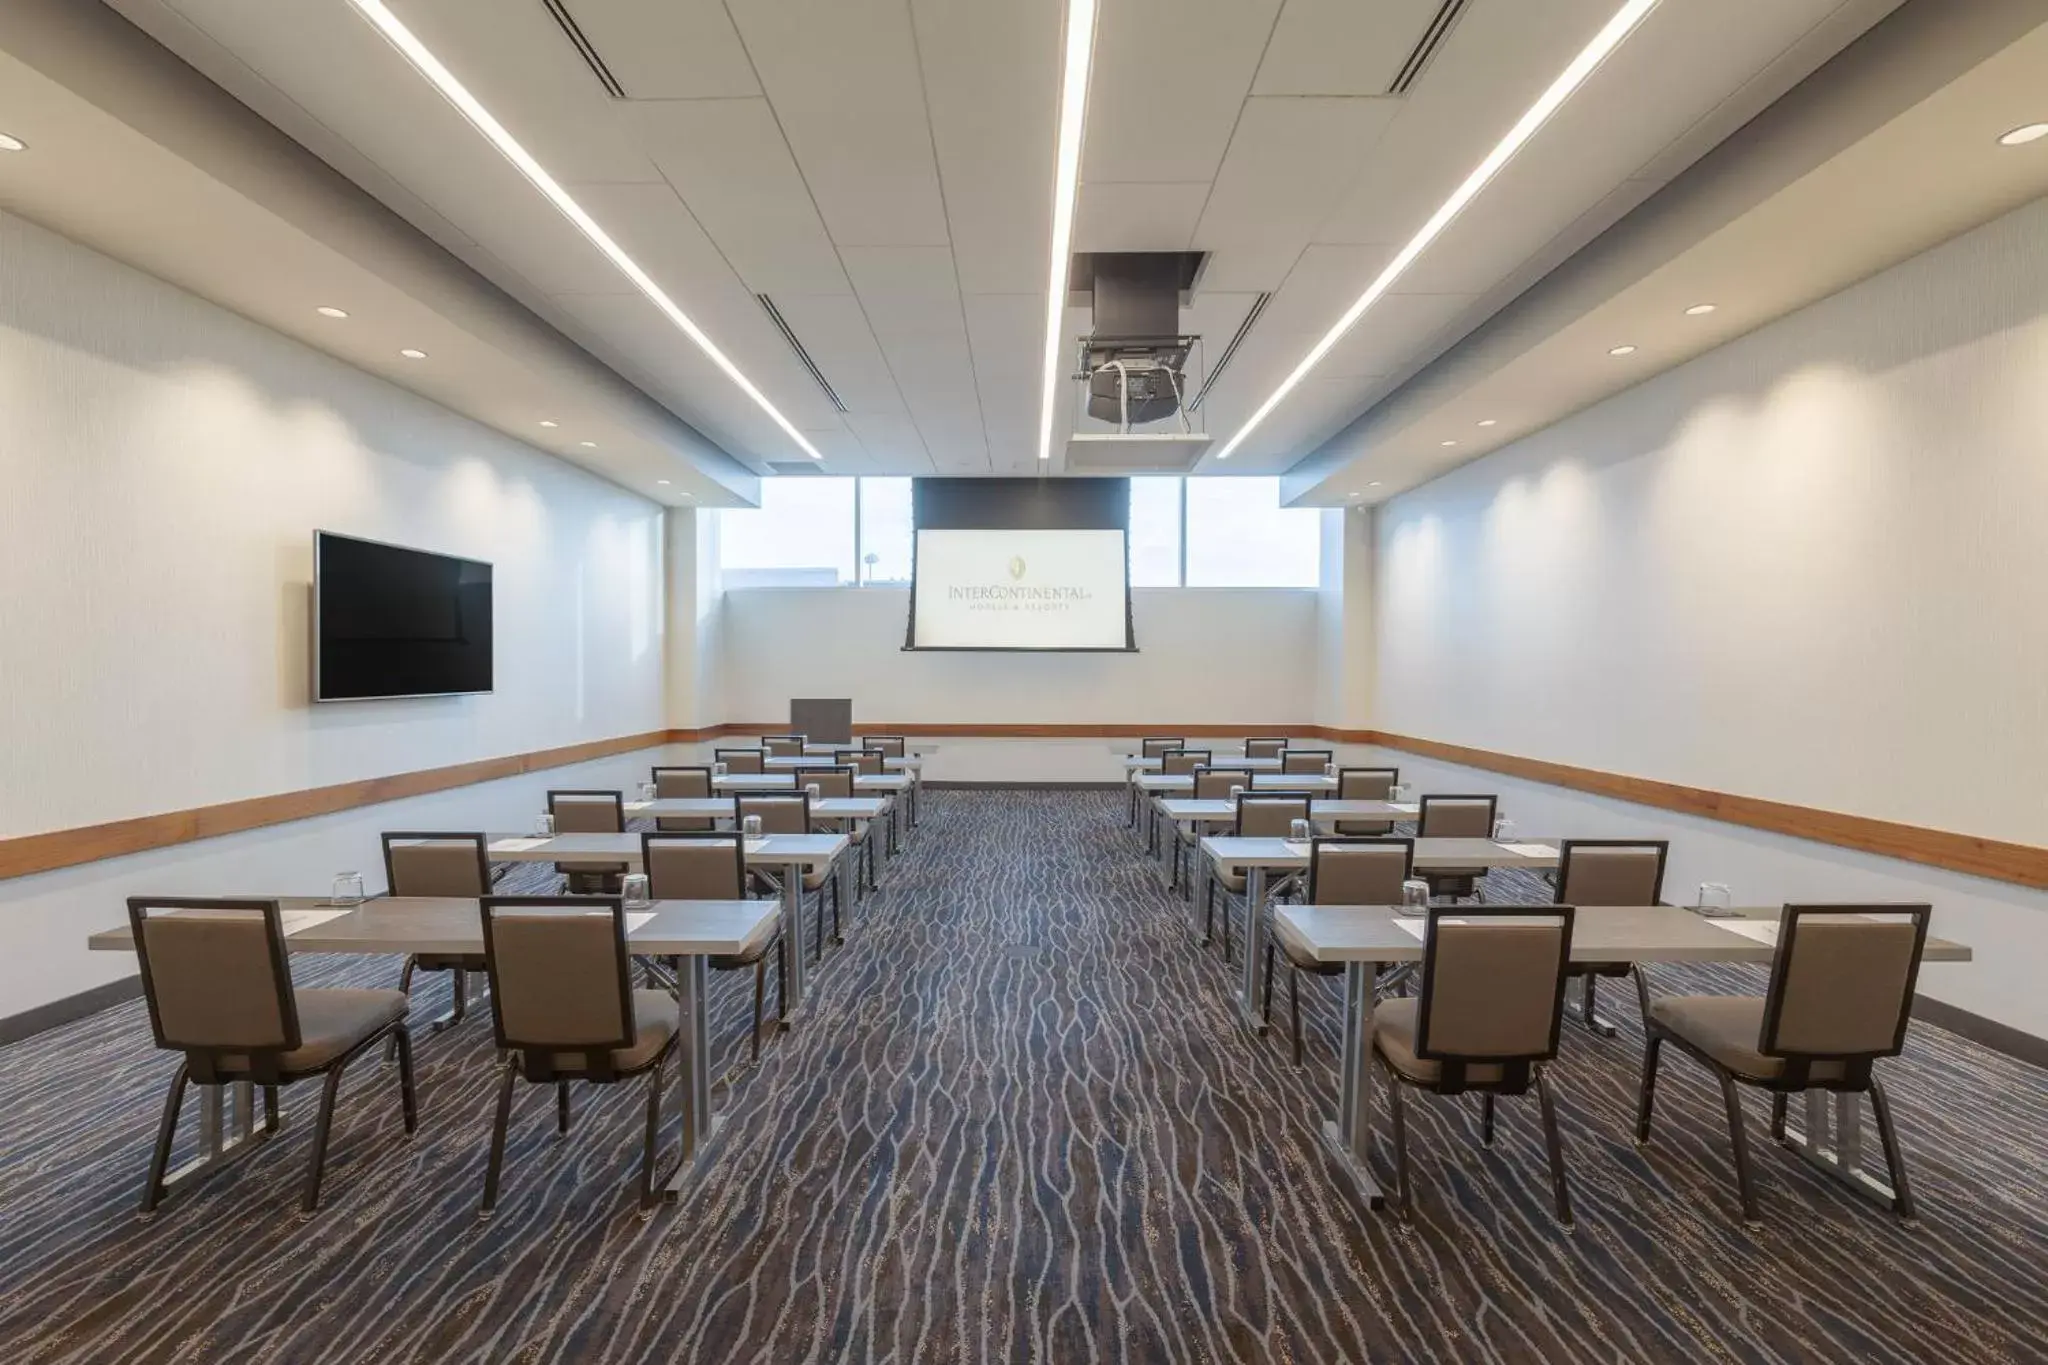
(1366, 784)
(739, 760)
(1306, 760)
(783, 746)
(1214, 784)
(1152, 746)
(1456, 817)
(1492, 989)
(681, 783)
(1611, 871)
(1182, 762)
(587, 812)
(1270, 815)
(214, 974)
(866, 762)
(560, 977)
(1358, 871)
(456, 865)
(780, 812)
(1842, 985)
(889, 746)
(696, 865)
(1265, 746)
(834, 781)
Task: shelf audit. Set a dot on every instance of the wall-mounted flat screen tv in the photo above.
(393, 622)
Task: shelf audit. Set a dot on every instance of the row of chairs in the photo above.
(1492, 984)
(564, 1006)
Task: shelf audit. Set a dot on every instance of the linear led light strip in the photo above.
(442, 79)
(1079, 57)
(1604, 42)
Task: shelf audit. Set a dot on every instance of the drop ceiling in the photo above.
(881, 170)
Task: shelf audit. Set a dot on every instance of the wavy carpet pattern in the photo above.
(1016, 1122)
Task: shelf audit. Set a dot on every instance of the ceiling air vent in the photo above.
(789, 335)
(1447, 16)
(794, 469)
(1251, 316)
(585, 48)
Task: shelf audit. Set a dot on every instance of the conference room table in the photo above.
(789, 855)
(911, 764)
(1205, 814)
(838, 809)
(685, 933)
(1153, 785)
(890, 784)
(1259, 858)
(1369, 939)
(1138, 763)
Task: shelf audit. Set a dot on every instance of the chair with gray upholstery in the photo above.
(219, 990)
(1265, 746)
(864, 762)
(590, 812)
(836, 783)
(1211, 784)
(1840, 996)
(783, 746)
(1341, 871)
(1487, 1020)
(1607, 872)
(740, 761)
(1260, 815)
(457, 866)
(1306, 762)
(712, 866)
(790, 813)
(564, 1007)
(682, 784)
(1366, 784)
(1455, 817)
(1152, 746)
(888, 746)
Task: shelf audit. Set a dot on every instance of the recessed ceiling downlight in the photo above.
(2022, 135)
(1699, 310)
(411, 353)
(1622, 350)
(10, 143)
(329, 311)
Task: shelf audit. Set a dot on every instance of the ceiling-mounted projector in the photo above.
(1135, 360)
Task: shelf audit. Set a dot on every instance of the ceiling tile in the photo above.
(1169, 78)
(674, 50)
(1122, 216)
(834, 329)
(1341, 47)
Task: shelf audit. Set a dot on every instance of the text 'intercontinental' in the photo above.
(996, 592)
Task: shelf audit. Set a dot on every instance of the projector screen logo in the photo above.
(1016, 568)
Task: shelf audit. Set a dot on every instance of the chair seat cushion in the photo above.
(1367, 828)
(1727, 1028)
(655, 1018)
(331, 1021)
(814, 880)
(1231, 881)
(1393, 1037)
(1300, 960)
(449, 962)
(1599, 969)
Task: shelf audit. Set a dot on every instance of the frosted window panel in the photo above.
(1239, 536)
(1155, 533)
(802, 533)
(885, 530)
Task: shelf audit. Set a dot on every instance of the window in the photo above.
(884, 530)
(801, 535)
(1239, 536)
(1155, 533)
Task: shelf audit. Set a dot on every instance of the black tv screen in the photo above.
(392, 622)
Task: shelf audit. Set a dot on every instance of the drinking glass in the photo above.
(1236, 794)
(545, 825)
(1396, 793)
(1503, 830)
(635, 889)
(717, 771)
(814, 791)
(646, 791)
(348, 889)
(1298, 831)
(752, 826)
(1715, 898)
(1415, 894)
(1330, 771)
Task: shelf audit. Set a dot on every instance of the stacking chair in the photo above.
(1607, 872)
(1310, 762)
(453, 865)
(1265, 746)
(865, 762)
(215, 976)
(564, 1007)
(740, 760)
(888, 746)
(783, 746)
(1211, 784)
(1152, 746)
(791, 814)
(1840, 995)
(1261, 815)
(837, 783)
(712, 866)
(1366, 784)
(682, 784)
(1174, 763)
(1487, 1019)
(590, 812)
(1455, 817)
(1341, 871)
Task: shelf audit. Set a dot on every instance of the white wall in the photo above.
(1809, 566)
(165, 464)
(1232, 656)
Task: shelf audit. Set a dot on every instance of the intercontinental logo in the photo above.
(1014, 595)
(1017, 568)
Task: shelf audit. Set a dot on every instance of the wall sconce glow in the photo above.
(1622, 350)
(1066, 185)
(410, 354)
(1699, 310)
(380, 17)
(326, 311)
(10, 143)
(2022, 135)
(1610, 36)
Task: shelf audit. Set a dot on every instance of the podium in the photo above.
(824, 720)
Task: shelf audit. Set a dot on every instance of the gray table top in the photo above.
(774, 850)
(720, 807)
(1600, 933)
(786, 781)
(1233, 854)
(1218, 758)
(1157, 783)
(1192, 811)
(825, 760)
(419, 924)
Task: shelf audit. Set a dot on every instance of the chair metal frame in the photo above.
(1587, 1015)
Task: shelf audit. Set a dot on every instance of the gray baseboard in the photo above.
(1984, 1032)
(43, 1018)
(1024, 786)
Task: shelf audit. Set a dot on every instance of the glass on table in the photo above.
(544, 825)
(647, 790)
(1716, 899)
(348, 889)
(814, 791)
(717, 771)
(1236, 794)
(1503, 830)
(1299, 831)
(751, 826)
(1415, 894)
(634, 891)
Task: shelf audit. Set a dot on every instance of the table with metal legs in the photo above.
(1347, 1139)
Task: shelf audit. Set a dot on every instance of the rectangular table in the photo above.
(1217, 759)
(1197, 816)
(1255, 858)
(1367, 938)
(688, 933)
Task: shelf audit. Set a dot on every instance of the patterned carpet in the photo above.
(1017, 1124)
